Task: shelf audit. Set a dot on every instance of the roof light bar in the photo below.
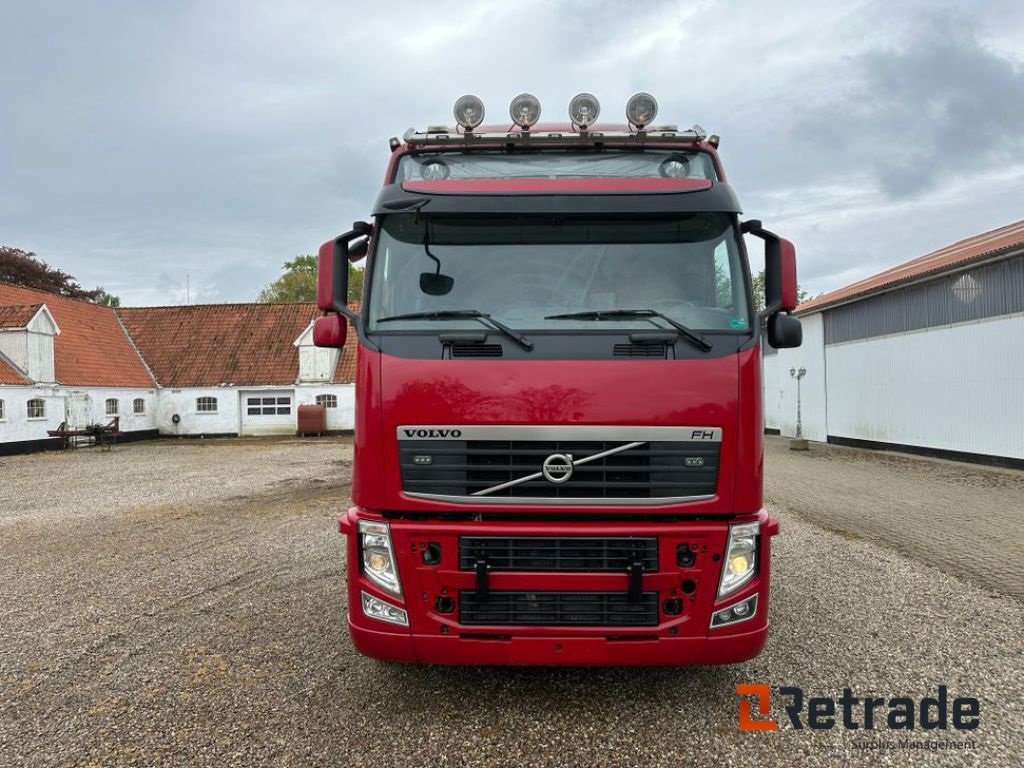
(471, 139)
(525, 110)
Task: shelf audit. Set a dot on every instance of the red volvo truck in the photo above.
(559, 429)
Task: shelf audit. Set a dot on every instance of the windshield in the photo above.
(435, 166)
(521, 270)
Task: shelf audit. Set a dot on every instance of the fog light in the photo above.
(584, 109)
(524, 110)
(378, 609)
(641, 109)
(734, 614)
(434, 170)
(469, 112)
(675, 167)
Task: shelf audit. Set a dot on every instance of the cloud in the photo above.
(933, 105)
(219, 139)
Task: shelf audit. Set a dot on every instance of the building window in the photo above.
(138, 406)
(327, 401)
(268, 406)
(36, 408)
(112, 406)
(3, 411)
(206, 404)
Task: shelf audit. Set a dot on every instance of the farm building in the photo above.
(925, 357)
(222, 369)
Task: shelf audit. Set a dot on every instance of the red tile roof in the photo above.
(92, 348)
(958, 254)
(9, 374)
(17, 315)
(206, 345)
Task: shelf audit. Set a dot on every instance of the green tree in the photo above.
(757, 283)
(298, 283)
(26, 269)
(106, 299)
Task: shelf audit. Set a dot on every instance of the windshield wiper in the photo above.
(616, 314)
(457, 314)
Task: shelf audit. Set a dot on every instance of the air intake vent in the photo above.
(558, 609)
(476, 350)
(640, 350)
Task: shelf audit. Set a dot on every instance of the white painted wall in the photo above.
(772, 391)
(60, 401)
(14, 345)
(193, 422)
(783, 388)
(341, 418)
(958, 388)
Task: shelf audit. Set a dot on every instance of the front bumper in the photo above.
(439, 638)
(527, 650)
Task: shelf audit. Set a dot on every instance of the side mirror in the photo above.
(330, 331)
(780, 287)
(784, 331)
(332, 267)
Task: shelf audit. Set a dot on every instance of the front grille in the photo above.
(558, 609)
(650, 470)
(558, 553)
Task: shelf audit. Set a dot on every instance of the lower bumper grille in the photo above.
(558, 553)
(558, 609)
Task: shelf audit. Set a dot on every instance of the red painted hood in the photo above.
(393, 392)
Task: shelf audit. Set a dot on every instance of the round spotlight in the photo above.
(641, 109)
(469, 112)
(675, 167)
(435, 170)
(584, 109)
(525, 110)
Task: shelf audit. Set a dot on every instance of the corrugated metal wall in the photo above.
(987, 291)
(958, 388)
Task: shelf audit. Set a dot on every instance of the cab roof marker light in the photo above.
(583, 110)
(641, 109)
(714, 140)
(469, 112)
(525, 110)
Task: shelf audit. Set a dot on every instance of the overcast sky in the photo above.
(143, 141)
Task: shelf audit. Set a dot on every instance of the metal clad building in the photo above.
(927, 356)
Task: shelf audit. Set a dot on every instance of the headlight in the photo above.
(378, 556)
(740, 557)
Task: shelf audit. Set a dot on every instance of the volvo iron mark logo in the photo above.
(557, 468)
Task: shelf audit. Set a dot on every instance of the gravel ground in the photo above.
(199, 620)
(954, 516)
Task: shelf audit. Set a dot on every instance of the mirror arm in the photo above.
(340, 259)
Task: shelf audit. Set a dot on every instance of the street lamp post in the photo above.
(798, 443)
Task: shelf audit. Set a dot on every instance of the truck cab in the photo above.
(559, 428)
